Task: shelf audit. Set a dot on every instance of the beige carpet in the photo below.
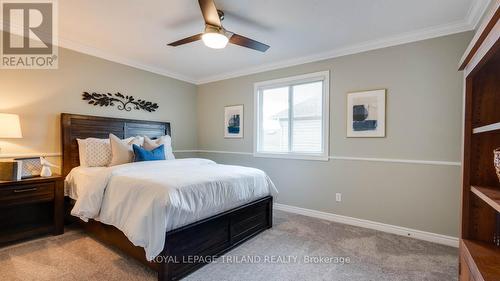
(372, 255)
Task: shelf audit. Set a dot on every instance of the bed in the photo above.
(188, 244)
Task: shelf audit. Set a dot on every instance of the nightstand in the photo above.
(31, 207)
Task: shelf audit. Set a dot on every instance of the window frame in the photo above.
(259, 87)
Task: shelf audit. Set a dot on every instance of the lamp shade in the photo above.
(10, 126)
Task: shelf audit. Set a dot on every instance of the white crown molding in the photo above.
(471, 21)
(469, 64)
(404, 38)
(475, 12)
(82, 48)
(89, 50)
(398, 230)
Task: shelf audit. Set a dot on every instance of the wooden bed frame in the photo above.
(187, 248)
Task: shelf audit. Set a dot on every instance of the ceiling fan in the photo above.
(215, 35)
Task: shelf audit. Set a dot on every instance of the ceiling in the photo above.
(136, 32)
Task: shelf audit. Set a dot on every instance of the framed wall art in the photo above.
(233, 121)
(366, 114)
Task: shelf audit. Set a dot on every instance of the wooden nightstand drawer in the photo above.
(28, 193)
(31, 207)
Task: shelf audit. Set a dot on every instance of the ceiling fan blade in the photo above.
(209, 12)
(186, 40)
(247, 42)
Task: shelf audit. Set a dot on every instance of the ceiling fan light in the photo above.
(214, 40)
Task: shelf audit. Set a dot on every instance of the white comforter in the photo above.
(146, 199)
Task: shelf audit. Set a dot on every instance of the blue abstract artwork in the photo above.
(234, 124)
(359, 117)
(233, 121)
(366, 114)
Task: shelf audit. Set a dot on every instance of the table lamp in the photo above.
(10, 126)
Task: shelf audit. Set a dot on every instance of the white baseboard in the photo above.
(398, 230)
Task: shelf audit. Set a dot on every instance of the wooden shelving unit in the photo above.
(483, 260)
(480, 228)
(487, 128)
(489, 195)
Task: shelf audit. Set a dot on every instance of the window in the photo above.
(291, 117)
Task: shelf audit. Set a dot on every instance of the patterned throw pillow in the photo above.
(98, 153)
(94, 152)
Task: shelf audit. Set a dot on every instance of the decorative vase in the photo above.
(46, 172)
(496, 161)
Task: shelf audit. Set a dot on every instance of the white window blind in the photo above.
(292, 117)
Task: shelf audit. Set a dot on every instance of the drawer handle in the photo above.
(24, 190)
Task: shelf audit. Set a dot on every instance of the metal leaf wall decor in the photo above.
(122, 102)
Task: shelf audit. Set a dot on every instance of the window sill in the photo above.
(295, 156)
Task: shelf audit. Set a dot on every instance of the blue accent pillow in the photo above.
(141, 154)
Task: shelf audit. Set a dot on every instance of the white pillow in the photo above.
(82, 151)
(121, 150)
(94, 152)
(150, 144)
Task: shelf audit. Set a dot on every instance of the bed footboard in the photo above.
(192, 246)
(195, 245)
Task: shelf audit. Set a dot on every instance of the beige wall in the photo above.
(424, 105)
(424, 101)
(39, 96)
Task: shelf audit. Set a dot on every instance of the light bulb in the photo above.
(214, 40)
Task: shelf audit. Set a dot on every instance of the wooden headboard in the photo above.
(75, 126)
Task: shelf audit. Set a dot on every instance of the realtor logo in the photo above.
(29, 37)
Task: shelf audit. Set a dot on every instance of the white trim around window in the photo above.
(259, 87)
